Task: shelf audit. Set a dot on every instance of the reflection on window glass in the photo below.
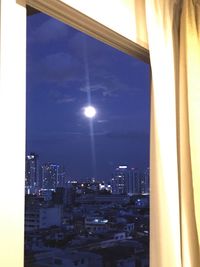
(87, 151)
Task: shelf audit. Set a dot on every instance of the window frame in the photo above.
(80, 21)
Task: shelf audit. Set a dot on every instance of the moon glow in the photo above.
(90, 112)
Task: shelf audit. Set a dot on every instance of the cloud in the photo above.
(52, 135)
(60, 97)
(105, 90)
(109, 86)
(56, 66)
(72, 133)
(83, 45)
(50, 30)
(107, 83)
(66, 99)
(128, 135)
(62, 68)
(93, 88)
(57, 69)
(102, 121)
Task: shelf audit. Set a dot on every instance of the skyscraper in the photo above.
(31, 175)
(126, 181)
(61, 182)
(146, 181)
(133, 182)
(119, 180)
(50, 175)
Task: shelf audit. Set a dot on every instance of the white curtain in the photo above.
(173, 29)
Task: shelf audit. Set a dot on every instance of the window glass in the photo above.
(87, 149)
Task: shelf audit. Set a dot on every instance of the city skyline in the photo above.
(62, 63)
(49, 176)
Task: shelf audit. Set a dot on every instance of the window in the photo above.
(69, 88)
(17, 72)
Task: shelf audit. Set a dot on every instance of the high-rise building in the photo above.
(126, 181)
(146, 181)
(61, 177)
(133, 182)
(31, 175)
(119, 180)
(50, 175)
(71, 188)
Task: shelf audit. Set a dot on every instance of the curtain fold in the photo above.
(174, 44)
(189, 131)
(165, 236)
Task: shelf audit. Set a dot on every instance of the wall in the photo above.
(12, 123)
(118, 15)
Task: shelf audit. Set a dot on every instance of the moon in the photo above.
(90, 112)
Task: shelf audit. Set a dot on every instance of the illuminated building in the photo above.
(146, 183)
(96, 225)
(61, 182)
(119, 180)
(126, 181)
(133, 182)
(50, 175)
(31, 176)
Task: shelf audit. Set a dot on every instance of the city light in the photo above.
(122, 167)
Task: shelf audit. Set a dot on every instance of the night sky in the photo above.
(58, 58)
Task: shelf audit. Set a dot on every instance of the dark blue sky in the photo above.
(57, 56)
